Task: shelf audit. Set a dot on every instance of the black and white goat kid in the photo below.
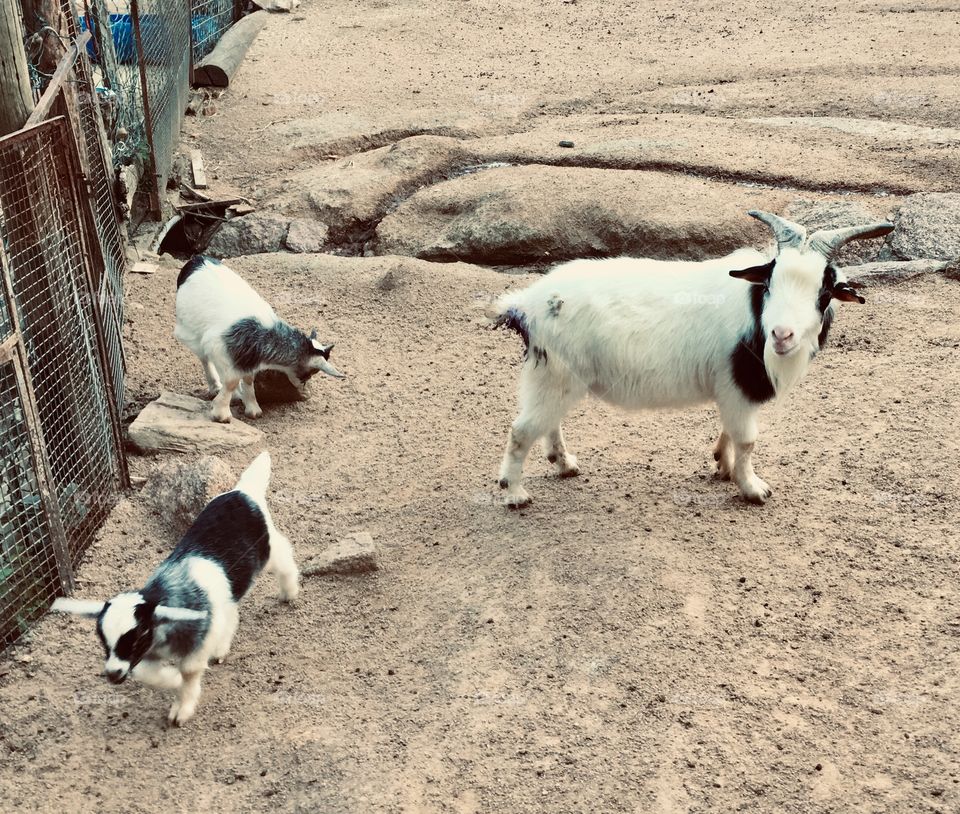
(236, 334)
(643, 333)
(167, 632)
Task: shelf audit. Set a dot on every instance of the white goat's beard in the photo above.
(785, 372)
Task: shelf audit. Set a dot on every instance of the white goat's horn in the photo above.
(828, 242)
(789, 235)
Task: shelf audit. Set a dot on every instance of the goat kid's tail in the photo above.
(256, 478)
(508, 312)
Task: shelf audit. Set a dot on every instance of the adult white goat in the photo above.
(643, 333)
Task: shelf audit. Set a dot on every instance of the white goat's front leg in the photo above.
(546, 394)
(723, 455)
(157, 674)
(557, 454)
(740, 426)
(231, 621)
(186, 703)
(249, 396)
(283, 565)
(221, 404)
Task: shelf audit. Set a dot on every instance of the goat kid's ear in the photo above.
(89, 608)
(846, 293)
(313, 334)
(162, 613)
(758, 275)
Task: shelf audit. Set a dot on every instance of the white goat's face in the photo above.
(793, 301)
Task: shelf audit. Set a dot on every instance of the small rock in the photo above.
(179, 423)
(250, 234)
(566, 144)
(180, 490)
(927, 227)
(356, 554)
(274, 387)
(307, 236)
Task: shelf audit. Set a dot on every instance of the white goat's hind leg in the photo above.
(283, 565)
(546, 394)
(249, 396)
(186, 703)
(557, 454)
(221, 404)
(740, 425)
(723, 455)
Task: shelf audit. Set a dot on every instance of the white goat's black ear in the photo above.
(755, 274)
(89, 608)
(162, 613)
(846, 293)
(313, 334)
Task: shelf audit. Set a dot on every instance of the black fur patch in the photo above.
(554, 305)
(516, 321)
(231, 531)
(539, 355)
(194, 263)
(824, 298)
(749, 371)
(250, 344)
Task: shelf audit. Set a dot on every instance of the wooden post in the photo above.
(16, 96)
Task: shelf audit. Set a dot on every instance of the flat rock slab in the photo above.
(356, 554)
(306, 237)
(352, 194)
(182, 424)
(542, 214)
(928, 227)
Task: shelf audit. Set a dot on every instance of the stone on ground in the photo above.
(250, 234)
(179, 423)
(896, 271)
(356, 554)
(928, 227)
(178, 490)
(542, 214)
(307, 236)
(274, 387)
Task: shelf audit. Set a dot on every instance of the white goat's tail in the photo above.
(256, 478)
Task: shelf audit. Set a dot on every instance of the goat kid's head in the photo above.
(315, 358)
(126, 626)
(800, 283)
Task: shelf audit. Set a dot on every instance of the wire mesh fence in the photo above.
(61, 462)
(209, 20)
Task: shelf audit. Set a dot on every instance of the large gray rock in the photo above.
(835, 214)
(540, 214)
(896, 271)
(356, 554)
(178, 491)
(178, 423)
(352, 194)
(928, 227)
(307, 236)
(250, 234)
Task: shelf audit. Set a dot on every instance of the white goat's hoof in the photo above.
(517, 499)
(253, 413)
(221, 416)
(756, 491)
(570, 469)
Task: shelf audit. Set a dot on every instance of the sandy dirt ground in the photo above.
(639, 639)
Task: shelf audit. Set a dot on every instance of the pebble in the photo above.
(567, 144)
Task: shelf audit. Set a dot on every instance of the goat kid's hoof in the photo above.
(221, 418)
(180, 714)
(571, 470)
(253, 413)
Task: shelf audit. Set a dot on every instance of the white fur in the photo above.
(643, 333)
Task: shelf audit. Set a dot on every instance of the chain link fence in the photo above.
(209, 20)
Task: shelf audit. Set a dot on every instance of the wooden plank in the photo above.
(42, 110)
(199, 174)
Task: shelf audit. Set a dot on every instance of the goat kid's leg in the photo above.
(557, 454)
(283, 565)
(221, 404)
(723, 455)
(157, 674)
(212, 377)
(230, 624)
(249, 396)
(186, 703)
(740, 426)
